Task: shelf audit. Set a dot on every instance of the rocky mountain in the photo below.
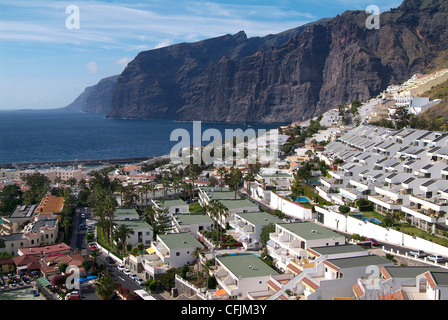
(291, 76)
(97, 98)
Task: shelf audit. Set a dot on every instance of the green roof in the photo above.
(259, 218)
(180, 241)
(359, 261)
(239, 203)
(346, 248)
(134, 224)
(409, 272)
(125, 212)
(246, 266)
(223, 195)
(171, 203)
(309, 230)
(440, 277)
(188, 219)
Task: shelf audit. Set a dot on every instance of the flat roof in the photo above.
(309, 230)
(246, 266)
(238, 203)
(125, 211)
(359, 261)
(188, 219)
(345, 248)
(409, 272)
(223, 195)
(441, 278)
(134, 224)
(180, 240)
(171, 203)
(259, 218)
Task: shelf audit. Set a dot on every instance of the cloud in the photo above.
(164, 43)
(92, 67)
(123, 62)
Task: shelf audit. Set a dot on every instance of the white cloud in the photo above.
(92, 67)
(123, 62)
(164, 43)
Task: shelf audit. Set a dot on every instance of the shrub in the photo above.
(344, 209)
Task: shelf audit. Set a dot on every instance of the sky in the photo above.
(50, 51)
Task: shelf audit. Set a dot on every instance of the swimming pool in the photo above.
(19, 294)
(302, 199)
(370, 220)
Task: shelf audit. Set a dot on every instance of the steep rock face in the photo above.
(288, 77)
(158, 82)
(97, 98)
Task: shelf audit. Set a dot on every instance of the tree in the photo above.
(161, 219)
(222, 171)
(121, 234)
(234, 178)
(197, 253)
(38, 185)
(10, 197)
(104, 287)
(265, 231)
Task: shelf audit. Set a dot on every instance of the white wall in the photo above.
(289, 208)
(352, 225)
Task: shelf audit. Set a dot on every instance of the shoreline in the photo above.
(86, 162)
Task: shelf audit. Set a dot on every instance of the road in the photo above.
(78, 239)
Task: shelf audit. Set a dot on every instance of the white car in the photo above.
(121, 267)
(127, 272)
(435, 258)
(133, 276)
(140, 281)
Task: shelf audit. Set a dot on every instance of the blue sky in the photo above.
(44, 64)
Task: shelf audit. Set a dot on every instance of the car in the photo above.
(436, 258)
(133, 276)
(373, 241)
(73, 296)
(82, 227)
(109, 260)
(93, 247)
(121, 267)
(127, 271)
(140, 281)
(83, 215)
(417, 253)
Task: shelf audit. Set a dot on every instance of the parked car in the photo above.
(436, 258)
(93, 247)
(82, 227)
(109, 260)
(417, 253)
(373, 241)
(127, 271)
(133, 276)
(83, 215)
(140, 281)
(121, 267)
(73, 296)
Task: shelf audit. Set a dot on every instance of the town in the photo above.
(353, 208)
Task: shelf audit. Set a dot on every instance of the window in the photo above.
(177, 254)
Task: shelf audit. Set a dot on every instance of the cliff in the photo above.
(97, 98)
(291, 76)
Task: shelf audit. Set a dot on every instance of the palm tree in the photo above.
(212, 209)
(105, 287)
(197, 253)
(222, 213)
(222, 171)
(121, 234)
(110, 206)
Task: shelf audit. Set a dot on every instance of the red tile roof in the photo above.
(310, 283)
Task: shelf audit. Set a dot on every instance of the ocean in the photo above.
(55, 135)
